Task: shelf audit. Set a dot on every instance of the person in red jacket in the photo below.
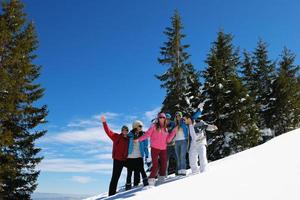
(119, 153)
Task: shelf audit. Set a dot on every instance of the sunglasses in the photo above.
(162, 118)
(140, 126)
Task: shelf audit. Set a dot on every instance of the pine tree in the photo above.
(226, 100)
(20, 114)
(249, 81)
(248, 78)
(241, 119)
(284, 108)
(264, 73)
(181, 80)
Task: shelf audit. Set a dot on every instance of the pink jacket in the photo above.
(158, 139)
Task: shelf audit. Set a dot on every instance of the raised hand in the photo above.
(103, 119)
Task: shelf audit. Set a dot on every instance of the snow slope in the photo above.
(270, 172)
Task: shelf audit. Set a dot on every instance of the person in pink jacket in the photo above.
(159, 137)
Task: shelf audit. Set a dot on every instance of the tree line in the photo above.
(248, 96)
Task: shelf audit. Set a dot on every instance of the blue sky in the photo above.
(101, 57)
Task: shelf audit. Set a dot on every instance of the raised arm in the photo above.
(172, 134)
(147, 134)
(209, 127)
(107, 130)
(192, 131)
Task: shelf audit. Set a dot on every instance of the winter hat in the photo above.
(178, 113)
(168, 116)
(161, 115)
(125, 127)
(136, 123)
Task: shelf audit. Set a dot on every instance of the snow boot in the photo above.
(151, 181)
(128, 186)
(145, 181)
(161, 179)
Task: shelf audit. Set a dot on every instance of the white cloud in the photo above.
(89, 135)
(84, 131)
(152, 113)
(131, 117)
(108, 115)
(91, 149)
(72, 165)
(82, 179)
(93, 121)
(83, 123)
(104, 156)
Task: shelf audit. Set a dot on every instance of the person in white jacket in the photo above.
(198, 143)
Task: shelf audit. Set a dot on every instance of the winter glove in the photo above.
(148, 162)
(212, 128)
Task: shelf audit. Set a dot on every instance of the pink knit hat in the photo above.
(161, 115)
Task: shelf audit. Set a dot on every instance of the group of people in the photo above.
(130, 148)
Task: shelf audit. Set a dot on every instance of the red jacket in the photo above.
(120, 144)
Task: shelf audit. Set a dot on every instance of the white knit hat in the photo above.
(136, 123)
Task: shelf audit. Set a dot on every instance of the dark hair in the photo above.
(189, 116)
(125, 127)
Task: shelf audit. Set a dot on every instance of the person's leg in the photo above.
(137, 177)
(168, 158)
(203, 158)
(173, 160)
(142, 171)
(141, 168)
(193, 158)
(154, 156)
(117, 169)
(129, 174)
(136, 169)
(163, 159)
(183, 149)
(177, 152)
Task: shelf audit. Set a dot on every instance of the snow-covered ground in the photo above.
(270, 172)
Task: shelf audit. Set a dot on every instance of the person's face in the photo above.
(188, 121)
(124, 132)
(161, 119)
(139, 128)
(178, 117)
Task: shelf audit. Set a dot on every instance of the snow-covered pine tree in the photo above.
(248, 76)
(226, 99)
(264, 73)
(19, 114)
(240, 118)
(249, 81)
(283, 112)
(181, 80)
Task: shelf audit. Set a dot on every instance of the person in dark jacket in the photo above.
(119, 153)
(171, 154)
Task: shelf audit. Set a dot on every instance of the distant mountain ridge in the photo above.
(56, 196)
